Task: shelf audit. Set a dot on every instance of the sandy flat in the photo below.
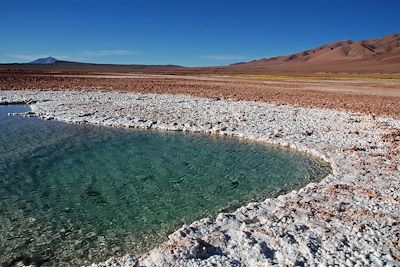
(366, 95)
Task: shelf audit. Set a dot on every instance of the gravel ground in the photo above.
(379, 97)
(350, 218)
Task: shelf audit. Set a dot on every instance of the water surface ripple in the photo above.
(76, 194)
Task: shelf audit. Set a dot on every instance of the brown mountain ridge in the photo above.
(370, 55)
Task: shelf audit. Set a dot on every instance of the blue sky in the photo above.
(184, 32)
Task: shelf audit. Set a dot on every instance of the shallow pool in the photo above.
(77, 194)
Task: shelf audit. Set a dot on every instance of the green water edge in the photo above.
(72, 195)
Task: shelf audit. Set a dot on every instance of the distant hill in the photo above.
(368, 56)
(346, 55)
(46, 60)
(53, 64)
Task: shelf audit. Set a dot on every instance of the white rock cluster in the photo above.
(350, 218)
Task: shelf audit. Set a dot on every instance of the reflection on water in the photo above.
(77, 194)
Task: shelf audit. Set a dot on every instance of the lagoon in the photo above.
(77, 194)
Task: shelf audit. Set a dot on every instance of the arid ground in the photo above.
(357, 203)
(376, 94)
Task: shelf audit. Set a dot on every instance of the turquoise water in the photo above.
(78, 194)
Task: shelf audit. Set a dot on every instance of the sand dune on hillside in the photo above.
(346, 55)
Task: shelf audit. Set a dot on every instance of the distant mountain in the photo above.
(376, 54)
(46, 60)
(53, 64)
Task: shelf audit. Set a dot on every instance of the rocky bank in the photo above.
(350, 218)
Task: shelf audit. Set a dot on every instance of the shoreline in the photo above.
(374, 96)
(338, 220)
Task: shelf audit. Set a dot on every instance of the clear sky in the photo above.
(184, 32)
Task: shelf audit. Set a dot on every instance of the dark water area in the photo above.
(76, 194)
